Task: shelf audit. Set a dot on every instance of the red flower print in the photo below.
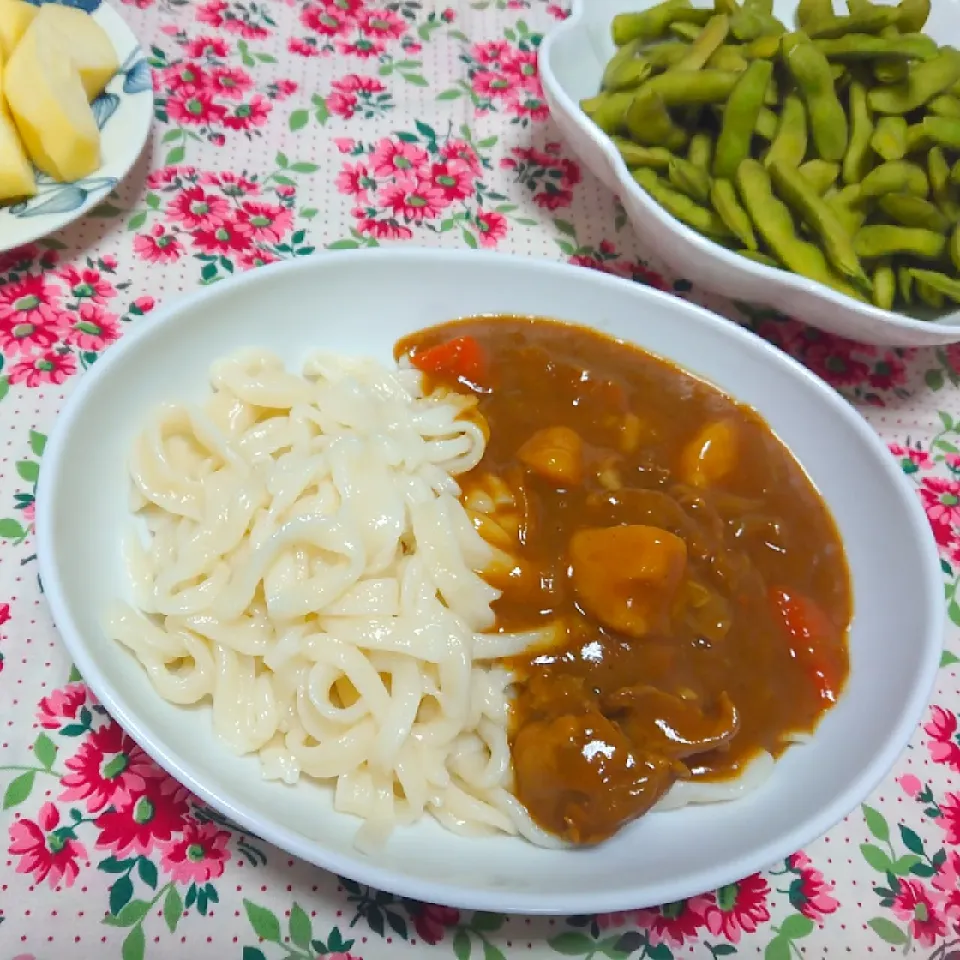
(197, 855)
(415, 201)
(557, 12)
(383, 24)
(941, 500)
(47, 852)
(810, 893)
(230, 82)
(232, 184)
(92, 328)
(553, 199)
(284, 88)
(461, 150)
(364, 48)
(268, 222)
(911, 459)
(4, 613)
(888, 373)
(453, 178)
(87, 284)
(232, 236)
(529, 106)
(196, 109)
(345, 144)
(832, 359)
(246, 115)
(257, 258)
(492, 227)
(285, 191)
(152, 817)
(142, 305)
(643, 274)
(489, 85)
(49, 367)
(108, 262)
(37, 328)
(947, 883)
(158, 246)
(915, 903)
(326, 19)
(432, 921)
(196, 207)
(207, 47)
(343, 98)
(22, 300)
(494, 51)
(735, 909)
(182, 79)
(944, 746)
(591, 263)
(672, 923)
(382, 229)
(109, 769)
(249, 31)
(354, 180)
(448, 15)
(393, 158)
(212, 12)
(910, 784)
(170, 175)
(303, 48)
(523, 65)
(61, 706)
(950, 817)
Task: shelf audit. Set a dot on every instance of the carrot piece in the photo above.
(459, 359)
(811, 633)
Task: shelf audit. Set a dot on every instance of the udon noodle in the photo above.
(303, 562)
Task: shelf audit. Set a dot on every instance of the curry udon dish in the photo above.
(530, 581)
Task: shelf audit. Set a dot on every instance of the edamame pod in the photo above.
(944, 131)
(740, 118)
(955, 247)
(913, 212)
(763, 48)
(925, 81)
(882, 240)
(679, 205)
(653, 23)
(820, 174)
(809, 11)
(700, 151)
(635, 155)
(884, 286)
(912, 15)
(804, 201)
(827, 119)
(856, 160)
(946, 105)
(896, 176)
(706, 44)
(650, 124)
(837, 25)
(687, 89)
(790, 143)
(766, 125)
(723, 198)
(891, 71)
(889, 139)
(685, 31)
(728, 59)
(757, 257)
(862, 46)
(608, 110)
(948, 286)
(689, 179)
(905, 284)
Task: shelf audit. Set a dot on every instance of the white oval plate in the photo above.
(360, 303)
(572, 58)
(124, 113)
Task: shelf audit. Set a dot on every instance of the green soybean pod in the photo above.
(757, 257)
(925, 81)
(857, 47)
(679, 205)
(856, 160)
(895, 176)
(705, 45)
(820, 174)
(723, 199)
(826, 116)
(838, 25)
(790, 143)
(912, 15)
(624, 56)
(608, 110)
(850, 216)
(809, 11)
(685, 31)
(955, 247)
(728, 59)
(740, 118)
(700, 151)
(889, 139)
(689, 179)
(944, 131)
(806, 203)
(891, 71)
(649, 24)
(766, 126)
(763, 48)
(882, 240)
(927, 294)
(884, 286)
(635, 155)
(945, 105)
(911, 211)
(693, 88)
(905, 284)
(662, 56)
(649, 122)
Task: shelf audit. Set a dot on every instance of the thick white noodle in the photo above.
(301, 535)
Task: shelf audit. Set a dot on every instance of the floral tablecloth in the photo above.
(285, 128)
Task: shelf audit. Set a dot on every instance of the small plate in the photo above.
(124, 112)
(361, 303)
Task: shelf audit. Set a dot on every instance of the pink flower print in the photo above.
(87, 284)
(382, 24)
(888, 373)
(914, 903)
(326, 19)
(811, 895)
(183, 80)
(268, 222)
(672, 923)
(345, 144)
(45, 851)
(92, 328)
(522, 64)
(911, 459)
(158, 246)
(284, 88)
(196, 110)
(454, 179)
(488, 85)
(529, 106)
(108, 770)
(381, 229)
(49, 367)
(22, 299)
(414, 201)
(492, 227)
(494, 51)
(212, 12)
(246, 115)
(735, 909)
(142, 305)
(206, 47)
(947, 884)
(197, 855)
(363, 47)
(232, 184)
(462, 151)
(257, 258)
(950, 817)
(230, 82)
(154, 816)
(4, 613)
(62, 706)
(394, 158)
(343, 97)
(302, 48)
(196, 207)
(941, 500)
(232, 236)
(354, 180)
(36, 329)
(910, 784)
(557, 12)
(166, 176)
(943, 746)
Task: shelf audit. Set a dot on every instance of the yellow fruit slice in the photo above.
(49, 106)
(16, 174)
(86, 43)
(15, 17)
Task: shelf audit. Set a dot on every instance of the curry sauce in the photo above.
(689, 574)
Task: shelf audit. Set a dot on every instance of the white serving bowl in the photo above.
(572, 58)
(361, 302)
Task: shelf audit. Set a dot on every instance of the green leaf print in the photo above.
(876, 824)
(265, 924)
(777, 949)
(135, 945)
(173, 909)
(487, 921)
(301, 929)
(876, 858)
(120, 894)
(38, 443)
(29, 470)
(461, 945)
(252, 953)
(887, 930)
(45, 750)
(11, 530)
(148, 872)
(947, 659)
(18, 789)
(796, 927)
(572, 944)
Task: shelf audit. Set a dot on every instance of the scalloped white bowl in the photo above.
(361, 303)
(572, 58)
